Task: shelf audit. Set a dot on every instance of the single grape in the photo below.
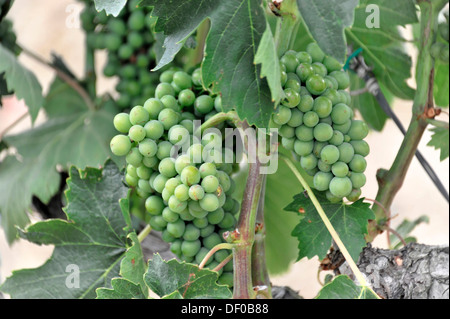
(196, 192)
(331, 82)
(216, 216)
(315, 51)
(169, 215)
(341, 186)
(341, 113)
(191, 233)
(176, 205)
(286, 131)
(288, 143)
(322, 106)
(172, 184)
(181, 162)
(323, 132)
(306, 103)
(316, 84)
(204, 104)
(304, 57)
(354, 195)
(137, 133)
(342, 78)
(227, 222)
(190, 175)
(182, 80)
(154, 205)
(134, 157)
(358, 130)
(358, 179)
(158, 223)
(340, 169)
(178, 135)
(296, 118)
(322, 180)
(330, 154)
(292, 82)
(332, 64)
(136, 21)
(148, 147)
(318, 146)
(282, 116)
(154, 129)
(168, 118)
(167, 167)
(207, 169)
(159, 183)
(308, 162)
(292, 98)
(337, 138)
(358, 164)
(346, 152)
(323, 167)
(304, 71)
(343, 128)
(125, 52)
(209, 202)
(170, 102)
(290, 61)
(164, 89)
(210, 184)
(310, 119)
(319, 69)
(332, 198)
(361, 147)
(211, 241)
(120, 145)
(304, 133)
(186, 98)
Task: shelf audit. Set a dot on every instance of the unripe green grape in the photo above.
(286, 131)
(283, 77)
(346, 152)
(290, 61)
(112, 42)
(159, 183)
(169, 215)
(218, 104)
(211, 241)
(182, 80)
(137, 133)
(153, 107)
(304, 57)
(316, 84)
(316, 52)
(341, 186)
(292, 98)
(167, 167)
(340, 169)
(306, 103)
(204, 104)
(333, 95)
(144, 172)
(282, 116)
(166, 195)
(117, 26)
(337, 138)
(228, 221)
(354, 195)
(122, 122)
(345, 96)
(341, 113)
(131, 170)
(319, 69)
(224, 180)
(343, 128)
(318, 146)
(134, 157)
(310, 119)
(168, 238)
(132, 181)
(331, 82)
(361, 147)
(308, 162)
(125, 52)
(190, 175)
(195, 153)
(191, 233)
(322, 106)
(136, 21)
(172, 184)
(220, 255)
(323, 132)
(176, 205)
(154, 205)
(186, 98)
(164, 149)
(186, 215)
(296, 118)
(135, 39)
(158, 223)
(178, 134)
(120, 145)
(323, 167)
(304, 91)
(196, 192)
(226, 279)
(133, 88)
(215, 217)
(330, 154)
(207, 169)
(358, 179)
(342, 78)
(175, 246)
(210, 184)
(292, 83)
(181, 162)
(304, 71)
(168, 118)
(139, 115)
(170, 102)
(322, 180)
(358, 164)
(164, 89)
(182, 192)
(332, 64)
(148, 148)
(154, 130)
(358, 130)
(142, 62)
(176, 229)
(201, 255)
(209, 202)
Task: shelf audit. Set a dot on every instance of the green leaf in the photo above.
(441, 84)
(110, 6)
(440, 141)
(405, 228)
(349, 221)
(367, 104)
(326, 21)
(88, 246)
(228, 68)
(383, 48)
(75, 136)
(121, 289)
(270, 67)
(173, 278)
(20, 80)
(342, 287)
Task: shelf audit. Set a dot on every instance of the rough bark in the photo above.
(416, 271)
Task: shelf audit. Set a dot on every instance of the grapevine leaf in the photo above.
(349, 221)
(382, 45)
(110, 6)
(75, 136)
(342, 287)
(440, 141)
(367, 104)
(88, 246)
(173, 278)
(229, 68)
(270, 68)
(326, 21)
(441, 84)
(121, 289)
(22, 81)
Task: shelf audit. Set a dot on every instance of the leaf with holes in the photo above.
(89, 246)
(349, 221)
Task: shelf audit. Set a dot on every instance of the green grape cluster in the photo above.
(316, 122)
(128, 40)
(188, 189)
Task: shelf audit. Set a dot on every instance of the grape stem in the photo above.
(144, 233)
(216, 120)
(63, 76)
(213, 251)
(358, 275)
